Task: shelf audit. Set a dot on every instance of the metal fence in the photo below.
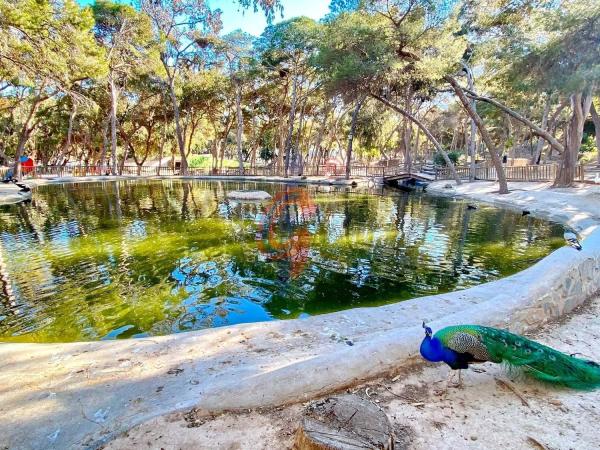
(544, 172)
(268, 171)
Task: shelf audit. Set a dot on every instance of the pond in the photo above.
(91, 261)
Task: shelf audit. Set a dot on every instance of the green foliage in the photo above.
(439, 160)
(266, 154)
(288, 43)
(588, 144)
(127, 37)
(205, 162)
(354, 52)
(48, 45)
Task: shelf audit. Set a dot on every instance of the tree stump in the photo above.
(345, 422)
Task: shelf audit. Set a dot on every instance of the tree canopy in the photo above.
(372, 82)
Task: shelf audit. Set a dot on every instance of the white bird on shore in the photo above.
(572, 240)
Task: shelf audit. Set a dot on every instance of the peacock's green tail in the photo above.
(534, 359)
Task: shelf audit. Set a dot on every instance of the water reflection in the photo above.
(128, 259)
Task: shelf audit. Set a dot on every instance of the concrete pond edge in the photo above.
(119, 384)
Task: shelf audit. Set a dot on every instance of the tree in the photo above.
(376, 54)
(237, 51)
(185, 28)
(47, 50)
(127, 37)
(287, 48)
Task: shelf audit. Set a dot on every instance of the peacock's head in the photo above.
(428, 331)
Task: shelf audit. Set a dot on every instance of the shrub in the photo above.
(439, 160)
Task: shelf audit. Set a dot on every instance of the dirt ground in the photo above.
(493, 410)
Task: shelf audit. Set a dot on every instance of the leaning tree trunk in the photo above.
(596, 120)
(580, 108)
(503, 186)
(515, 115)
(425, 130)
(103, 152)
(359, 104)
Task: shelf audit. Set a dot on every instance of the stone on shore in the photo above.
(10, 194)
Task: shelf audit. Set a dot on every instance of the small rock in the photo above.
(473, 438)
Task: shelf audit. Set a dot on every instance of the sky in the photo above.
(235, 17)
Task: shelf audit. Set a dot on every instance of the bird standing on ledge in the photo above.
(572, 240)
(461, 345)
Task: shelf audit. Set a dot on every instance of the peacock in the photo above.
(460, 345)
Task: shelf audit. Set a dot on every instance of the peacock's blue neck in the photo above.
(433, 350)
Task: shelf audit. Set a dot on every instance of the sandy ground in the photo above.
(485, 413)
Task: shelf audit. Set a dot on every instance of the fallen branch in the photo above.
(536, 443)
(507, 384)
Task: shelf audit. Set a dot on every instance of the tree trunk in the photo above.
(580, 108)
(105, 126)
(537, 154)
(114, 98)
(406, 138)
(162, 147)
(596, 120)
(534, 128)
(24, 134)
(359, 104)
(425, 130)
(178, 131)
(291, 118)
(67, 144)
(240, 125)
(344, 422)
(473, 126)
(503, 186)
(297, 152)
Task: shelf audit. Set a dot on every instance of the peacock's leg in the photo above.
(450, 381)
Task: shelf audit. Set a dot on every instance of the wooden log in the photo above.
(344, 422)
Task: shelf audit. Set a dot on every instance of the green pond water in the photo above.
(126, 259)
